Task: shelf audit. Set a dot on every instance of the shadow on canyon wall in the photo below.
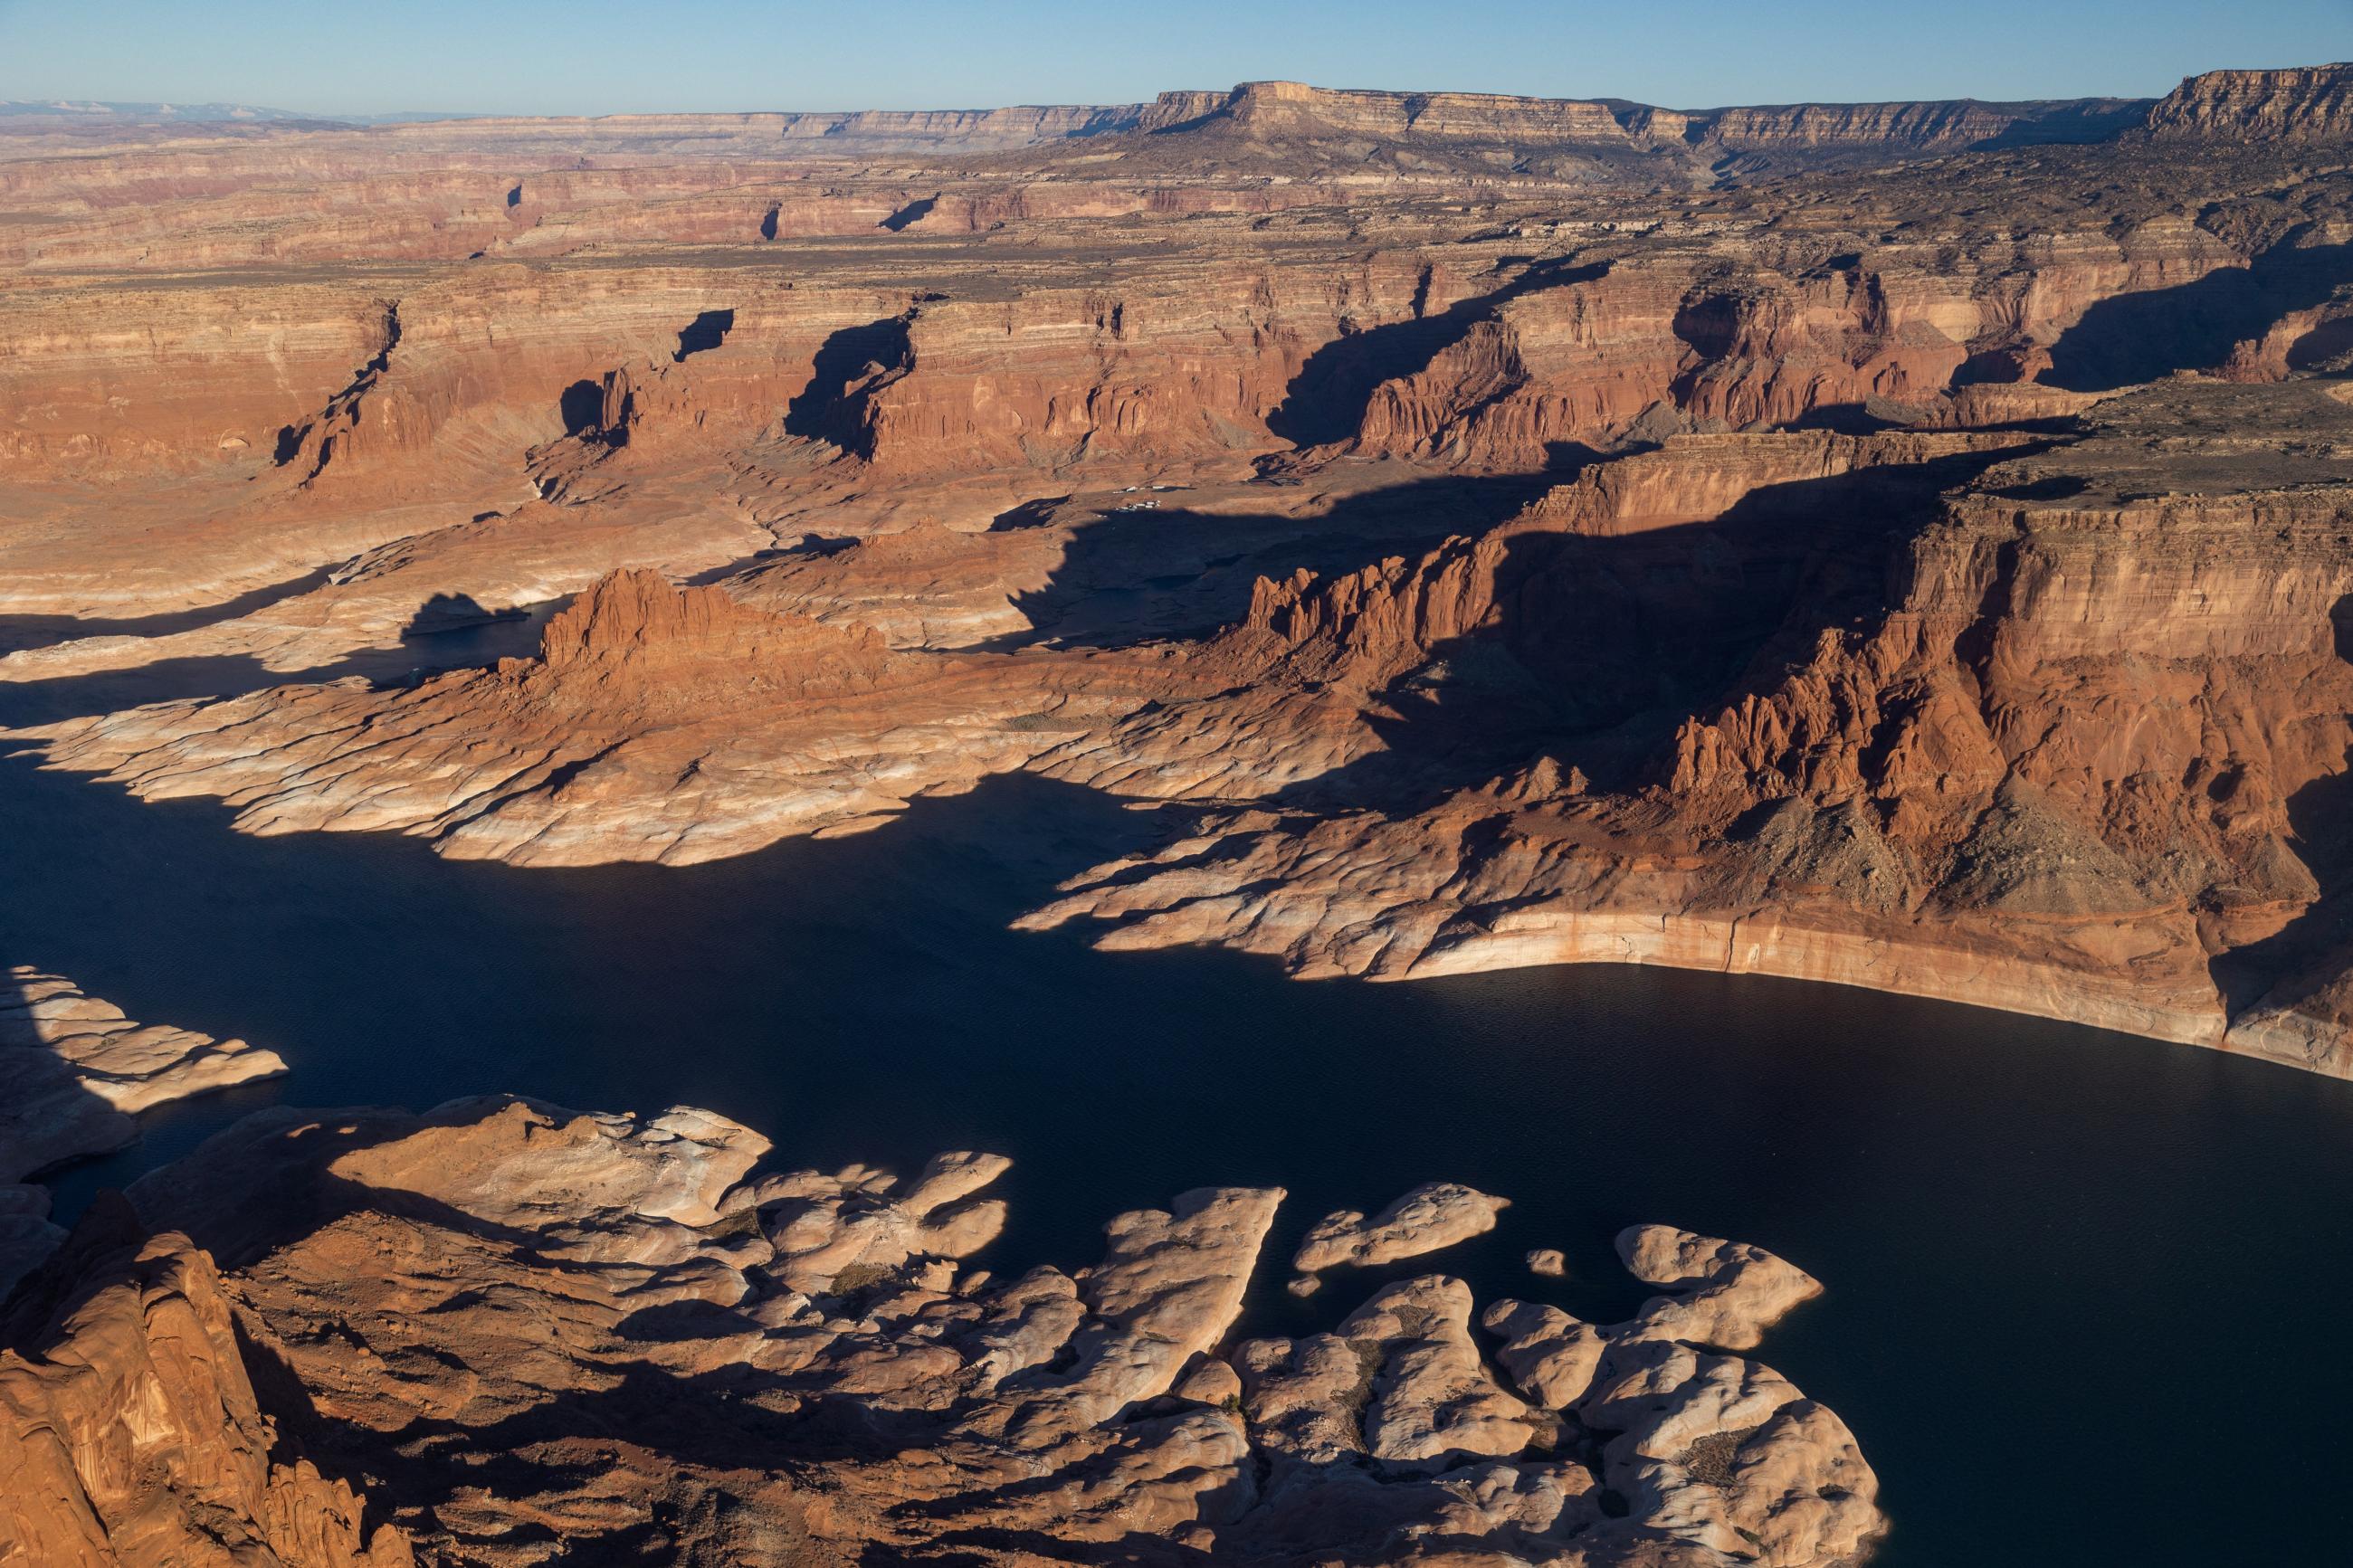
(1598, 648)
(2127, 338)
(1139, 576)
(849, 364)
(1326, 401)
(707, 331)
(2092, 119)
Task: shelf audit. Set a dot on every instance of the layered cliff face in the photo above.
(953, 341)
(2312, 104)
(2061, 743)
(1786, 547)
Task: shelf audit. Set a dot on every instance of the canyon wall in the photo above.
(1896, 543)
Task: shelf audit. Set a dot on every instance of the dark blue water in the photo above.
(2082, 1287)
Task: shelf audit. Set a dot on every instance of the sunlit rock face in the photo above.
(639, 1330)
(1896, 544)
(131, 1431)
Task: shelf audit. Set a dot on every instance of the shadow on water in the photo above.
(2004, 1208)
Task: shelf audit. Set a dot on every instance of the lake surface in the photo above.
(2079, 1284)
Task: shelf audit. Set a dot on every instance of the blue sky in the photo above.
(599, 57)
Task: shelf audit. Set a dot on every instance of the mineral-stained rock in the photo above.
(130, 1434)
(1433, 1215)
(73, 1069)
(480, 1344)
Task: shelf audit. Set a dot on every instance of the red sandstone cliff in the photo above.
(129, 1432)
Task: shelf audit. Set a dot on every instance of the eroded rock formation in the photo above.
(2071, 760)
(1433, 1215)
(74, 1073)
(130, 1431)
(655, 724)
(1891, 544)
(615, 1329)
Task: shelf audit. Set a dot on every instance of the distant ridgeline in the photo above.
(2310, 103)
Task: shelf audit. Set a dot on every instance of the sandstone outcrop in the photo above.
(1727, 1295)
(854, 1223)
(619, 1324)
(74, 1073)
(2060, 767)
(130, 1431)
(655, 724)
(1433, 1215)
(1401, 1385)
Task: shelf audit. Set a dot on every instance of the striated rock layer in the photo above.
(2070, 755)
